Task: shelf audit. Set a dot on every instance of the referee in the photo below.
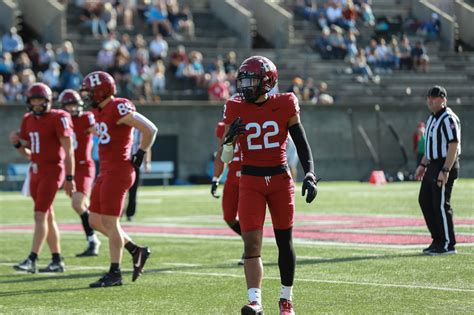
(438, 170)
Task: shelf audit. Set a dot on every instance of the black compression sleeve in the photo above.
(302, 146)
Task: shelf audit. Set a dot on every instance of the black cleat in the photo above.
(429, 248)
(253, 308)
(108, 280)
(139, 258)
(53, 267)
(27, 265)
(91, 250)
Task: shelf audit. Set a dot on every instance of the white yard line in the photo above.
(230, 275)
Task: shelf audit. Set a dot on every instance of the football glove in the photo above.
(235, 129)
(214, 185)
(137, 158)
(310, 187)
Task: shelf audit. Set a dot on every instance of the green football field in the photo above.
(358, 252)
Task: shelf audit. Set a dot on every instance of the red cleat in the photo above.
(286, 307)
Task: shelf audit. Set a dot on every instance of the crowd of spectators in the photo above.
(390, 49)
(307, 91)
(23, 64)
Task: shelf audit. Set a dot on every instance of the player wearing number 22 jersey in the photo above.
(115, 118)
(259, 124)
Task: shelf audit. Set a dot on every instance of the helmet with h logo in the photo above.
(96, 87)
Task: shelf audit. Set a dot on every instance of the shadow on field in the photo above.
(348, 259)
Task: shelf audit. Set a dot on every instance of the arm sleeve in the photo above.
(302, 147)
(294, 108)
(90, 119)
(64, 127)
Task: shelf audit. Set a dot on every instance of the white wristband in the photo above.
(227, 153)
(215, 179)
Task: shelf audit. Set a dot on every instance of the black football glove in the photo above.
(214, 185)
(309, 185)
(137, 158)
(235, 129)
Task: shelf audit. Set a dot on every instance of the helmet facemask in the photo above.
(249, 86)
(87, 97)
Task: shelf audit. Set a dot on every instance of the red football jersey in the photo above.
(115, 141)
(264, 141)
(43, 134)
(83, 138)
(234, 165)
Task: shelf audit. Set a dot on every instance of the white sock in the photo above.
(255, 294)
(93, 239)
(286, 292)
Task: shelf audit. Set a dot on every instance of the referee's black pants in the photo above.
(132, 195)
(435, 203)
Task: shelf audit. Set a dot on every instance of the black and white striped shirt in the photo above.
(441, 129)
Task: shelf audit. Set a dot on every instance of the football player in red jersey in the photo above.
(45, 138)
(259, 124)
(230, 195)
(84, 127)
(115, 119)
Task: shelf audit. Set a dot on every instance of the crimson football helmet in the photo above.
(71, 97)
(96, 87)
(39, 91)
(257, 76)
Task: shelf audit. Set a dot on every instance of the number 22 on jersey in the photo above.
(269, 129)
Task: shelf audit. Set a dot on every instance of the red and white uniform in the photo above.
(85, 167)
(230, 196)
(264, 145)
(116, 171)
(47, 155)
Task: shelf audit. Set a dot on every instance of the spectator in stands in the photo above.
(309, 91)
(65, 55)
(23, 62)
(383, 57)
(140, 73)
(350, 41)
(111, 41)
(182, 20)
(420, 57)
(157, 17)
(125, 9)
(71, 77)
(121, 69)
(323, 98)
(27, 77)
(197, 68)
(406, 61)
(158, 48)
(126, 41)
(230, 63)
(158, 82)
(13, 89)
(218, 89)
(367, 14)
(334, 13)
(108, 17)
(394, 53)
(336, 41)
(32, 49)
(362, 70)
(12, 42)
(349, 16)
(322, 21)
(432, 28)
(46, 56)
(322, 45)
(51, 77)
(105, 58)
(140, 47)
(297, 87)
(7, 67)
(418, 139)
(177, 57)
